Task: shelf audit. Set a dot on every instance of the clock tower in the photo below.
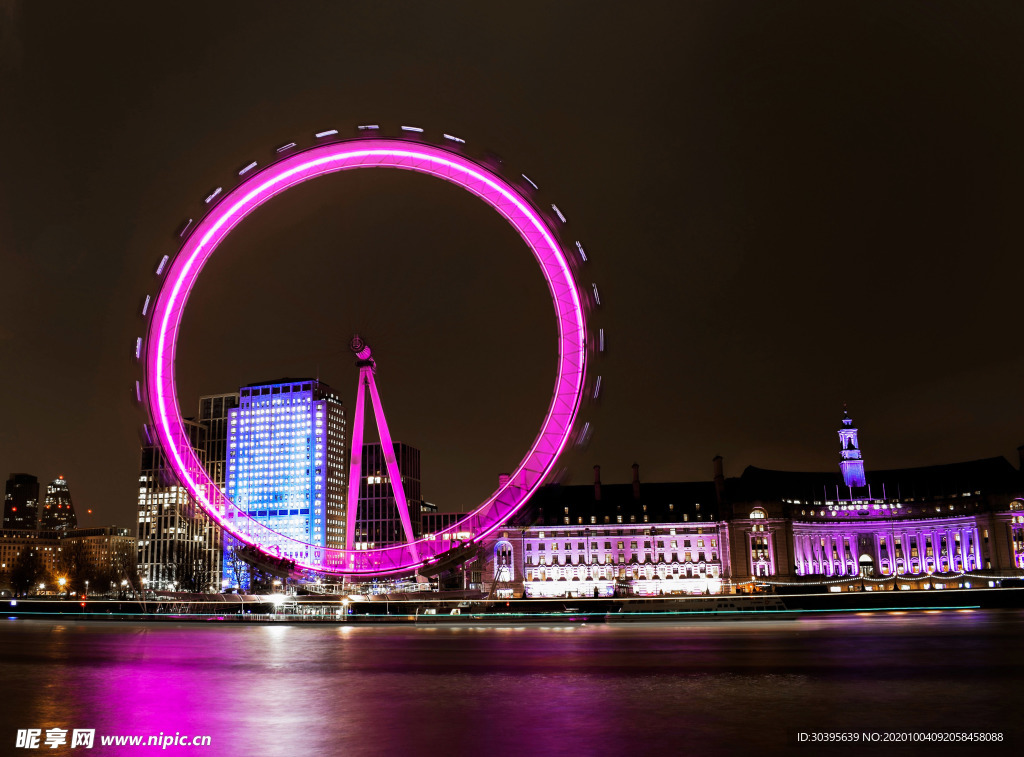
(851, 464)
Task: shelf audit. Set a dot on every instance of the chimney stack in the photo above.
(719, 479)
(636, 481)
(597, 483)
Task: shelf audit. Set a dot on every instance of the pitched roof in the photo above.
(665, 503)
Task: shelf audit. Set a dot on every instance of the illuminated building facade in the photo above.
(109, 552)
(179, 546)
(213, 415)
(931, 527)
(614, 540)
(285, 465)
(110, 549)
(15, 540)
(21, 501)
(942, 519)
(58, 512)
(379, 523)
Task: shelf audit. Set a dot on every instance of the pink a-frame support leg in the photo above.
(355, 470)
(356, 460)
(392, 462)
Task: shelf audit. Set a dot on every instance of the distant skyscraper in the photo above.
(379, 523)
(21, 501)
(852, 465)
(58, 513)
(179, 545)
(286, 463)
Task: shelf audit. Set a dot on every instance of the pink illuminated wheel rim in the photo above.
(157, 353)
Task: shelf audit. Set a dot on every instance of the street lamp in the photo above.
(277, 600)
(87, 588)
(60, 583)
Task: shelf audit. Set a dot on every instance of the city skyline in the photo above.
(776, 240)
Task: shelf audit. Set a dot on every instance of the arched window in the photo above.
(503, 567)
(758, 512)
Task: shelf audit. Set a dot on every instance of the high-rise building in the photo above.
(58, 512)
(21, 501)
(178, 544)
(379, 523)
(435, 522)
(213, 414)
(285, 466)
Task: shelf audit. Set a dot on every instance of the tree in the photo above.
(77, 566)
(192, 569)
(260, 581)
(27, 572)
(239, 568)
(123, 567)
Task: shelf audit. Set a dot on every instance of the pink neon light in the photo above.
(161, 346)
(355, 468)
(388, 447)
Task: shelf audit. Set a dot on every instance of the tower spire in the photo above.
(851, 463)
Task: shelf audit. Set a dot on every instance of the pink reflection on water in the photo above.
(707, 688)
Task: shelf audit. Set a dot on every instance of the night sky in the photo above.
(789, 206)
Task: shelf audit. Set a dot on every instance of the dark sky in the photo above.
(789, 206)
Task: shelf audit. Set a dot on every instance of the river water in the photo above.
(688, 688)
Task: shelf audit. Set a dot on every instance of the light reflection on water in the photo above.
(688, 688)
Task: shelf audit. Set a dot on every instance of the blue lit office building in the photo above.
(286, 464)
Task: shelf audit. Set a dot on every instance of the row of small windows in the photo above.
(673, 544)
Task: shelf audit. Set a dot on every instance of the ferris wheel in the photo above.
(562, 263)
